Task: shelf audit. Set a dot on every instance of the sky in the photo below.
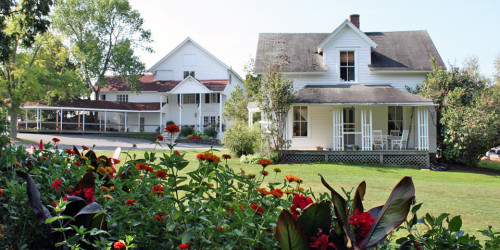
(229, 29)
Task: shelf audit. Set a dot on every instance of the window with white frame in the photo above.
(122, 98)
(299, 121)
(395, 121)
(212, 98)
(347, 66)
(211, 121)
(188, 73)
(189, 99)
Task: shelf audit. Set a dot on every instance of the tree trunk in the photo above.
(13, 124)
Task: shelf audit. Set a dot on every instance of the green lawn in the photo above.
(473, 196)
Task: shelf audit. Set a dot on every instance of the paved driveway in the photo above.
(103, 142)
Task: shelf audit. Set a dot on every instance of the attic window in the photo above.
(188, 73)
(347, 66)
(122, 98)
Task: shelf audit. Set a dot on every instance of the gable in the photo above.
(189, 86)
(346, 26)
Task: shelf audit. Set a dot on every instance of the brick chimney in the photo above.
(354, 18)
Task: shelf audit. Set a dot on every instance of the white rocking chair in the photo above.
(401, 142)
(378, 139)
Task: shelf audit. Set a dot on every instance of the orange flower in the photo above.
(277, 170)
(159, 138)
(55, 140)
(161, 174)
(212, 158)
(226, 156)
(119, 245)
(250, 176)
(211, 184)
(242, 171)
(160, 217)
(289, 192)
(18, 164)
(264, 162)
(85, 147)
(299, 180)
(290, 178)
(172, 129)
(115, 160)
(264, 173)
(104, 189)
(263, 191)
(184, 246)
(201, 156)
(258, 209)
(142, 167)
(108, 197)
(158, 190)
(277, 193)
(130, 202)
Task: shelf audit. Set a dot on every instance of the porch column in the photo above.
(41, 119)
(180, 110)
(200, 121)
(338, 129)
(61, 128)
(423, 128)
(57, 119)
(37, 118)
(78, 120)
(83, 127)
(220, 113)
(161, 111)
(26, 118)
(366, 129)
(139, 122)
(126, 122)
(105, 120)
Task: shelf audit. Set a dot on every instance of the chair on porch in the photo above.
(401, 142)
(394, 132)
(378, 139)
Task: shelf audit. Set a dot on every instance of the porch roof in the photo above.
(346, 94)
(100, 105)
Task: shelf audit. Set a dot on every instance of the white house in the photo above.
(350, 88)
(188, 86)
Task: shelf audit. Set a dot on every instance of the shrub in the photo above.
(251, 159)
(210, 132)
(194, 138)
(240, 139)
(170, 123)
(186, 131)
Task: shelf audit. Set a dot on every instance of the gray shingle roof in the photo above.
(357, 94)
(297, 52)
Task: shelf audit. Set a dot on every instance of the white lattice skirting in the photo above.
(396, 158)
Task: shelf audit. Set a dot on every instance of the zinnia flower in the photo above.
(263, 191)
(290, 178)
(78, 163)
(185, 245)
(264, 162)
(161, 174)
(107, 197)
(159, 216)
(158, 190)
(363, 222)
(84, 158)
(321, 242)
(172, 129)
(277, 193)
(85, 147)
(102, 171)
(119, 244)
(130, 202)
(104, 189)
(264, 173)
(201, 156)
(277, 170)
(250, 176)
(177, 153)
(56, 184)
(159, 138)
(141, 167)
(55, 140)
(18, 164)
(212, 158)
(258, 209)
(226, 156)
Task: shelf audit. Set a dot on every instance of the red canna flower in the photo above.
(40, 146)
(89, 194)
(299, 203)
(161, 174)
(277, 193)
(55, 140)
(185, 245)
(172, 129)
(130, 202)
(119, 244)
(321, 242)
(201, 156)
(226, 156)
(159, 138)
(264, 162)
(56, 184)
(363, 222)
(258, 209)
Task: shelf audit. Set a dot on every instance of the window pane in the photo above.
(343, 73)
(350, 74)
(299, 121)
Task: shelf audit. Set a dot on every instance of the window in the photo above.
(299, 121)
(188, 73)
(189, 99)
(347, 67)
(122, 98)
(211, 121)
(349, 126)
(212, 98)
(103, 98)
(395, 121)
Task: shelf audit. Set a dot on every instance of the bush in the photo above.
(210, 132)
(251, 159)
(170, 123)
(194, 138)
(240, 139)
(186, 131)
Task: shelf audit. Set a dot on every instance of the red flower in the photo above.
(201, 156)
(321, 242)
(56, 184)
(143, 167)
(159, 138)
(55, 140)
(177, 153)
(277, 193)
(40, 146)
(159, 216)
(263, 191)
(1, 192)
(299, 203)
(161, 174)
(158, 190)
(212, 158)
(69, 151)
(264, 173)
(130, 202)
(258, 209)
(226, 156)
(119, 244)
(363, 222)
(264, 162)
(185, 245)
(85, 147)
(172, 129)
(89, 194)
(78, 163)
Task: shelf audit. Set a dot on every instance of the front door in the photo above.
(349, 139)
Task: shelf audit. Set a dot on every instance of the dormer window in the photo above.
(188, 73)
(347, 66)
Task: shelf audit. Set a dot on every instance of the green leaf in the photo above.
(392, 214)
(289, 233)
(316, 216)
(187, 236)
(455, 224)
(357, 204)
(339, 205)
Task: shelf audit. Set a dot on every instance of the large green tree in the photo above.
(103, 35)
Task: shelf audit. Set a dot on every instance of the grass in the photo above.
(493, 163)
(474, 196)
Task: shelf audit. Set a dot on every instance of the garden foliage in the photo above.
(240, 139)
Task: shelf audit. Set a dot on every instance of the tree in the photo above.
(41, 73)
(103, 35)
(467, 111)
